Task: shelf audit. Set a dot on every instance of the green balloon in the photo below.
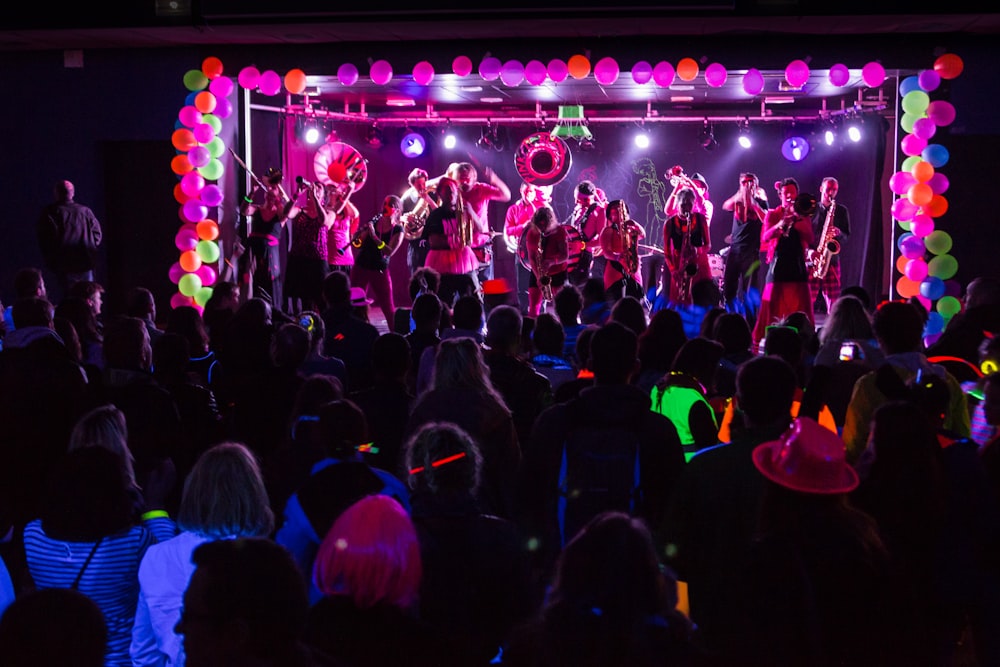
(938, 242)
(216, 147)
(189, 284)
(948, 306)
(213, 170)
(943, 267)
(202, 296)
(915, 102)
(216, 123)
(195, 79)
(208, 251)
(907, 120)
(904, 225)
(909, 162)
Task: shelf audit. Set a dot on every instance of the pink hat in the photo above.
(808, 458)
(359, 297)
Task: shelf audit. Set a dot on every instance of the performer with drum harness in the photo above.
(544, 252)
(517, 220)
(620, 249)
(587, 221)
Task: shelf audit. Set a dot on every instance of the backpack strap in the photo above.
(79, 575)
(888, 382)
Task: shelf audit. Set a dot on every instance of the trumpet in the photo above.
(675, 175)
(465, 223)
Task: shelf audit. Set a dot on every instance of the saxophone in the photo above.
(413, 221)
(544, 280)
(465, 224)
(827, 247)
(687, 264)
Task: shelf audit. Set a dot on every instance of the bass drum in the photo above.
(542, 159)
(575, 243)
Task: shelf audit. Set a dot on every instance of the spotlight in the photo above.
(829, 136)
(642, 139)
(586, 145)
(374, 137)
(492, 137)
(310, 130)
(854, 131)
(450, 141)
(707, 138)
(412, 144)
(744, 139)
(795, 149)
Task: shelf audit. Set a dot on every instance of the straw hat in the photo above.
(808, 458)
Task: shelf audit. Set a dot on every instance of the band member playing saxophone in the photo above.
(588, 221)
(744, 258)
(516, 221)
(696, 183)
(620, 248)
(686, 244)
(451, 230)
(547, 252)
(424, 200)
(786, 289)
(839, 229)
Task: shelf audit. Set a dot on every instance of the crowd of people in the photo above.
(597, 485)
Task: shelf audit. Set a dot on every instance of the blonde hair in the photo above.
(459, 364)
(105, 426)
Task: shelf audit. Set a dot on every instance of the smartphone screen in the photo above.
(847, 351)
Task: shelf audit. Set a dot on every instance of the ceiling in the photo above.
(449, 98)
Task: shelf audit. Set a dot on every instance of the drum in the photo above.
(575, 243)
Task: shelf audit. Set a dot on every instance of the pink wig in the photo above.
(372, 554)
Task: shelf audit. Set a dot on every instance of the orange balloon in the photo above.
(183, 139)
(907, 288)
(190, 261)
(211, 67)
(901, 263)
(920, 194)
(922, 171)
(949, 66)
(578, 66)
(181, 164)
(205, 102)
(937, 207)
(295, 81)
(181, 197)
(208, 230)
(687, 69)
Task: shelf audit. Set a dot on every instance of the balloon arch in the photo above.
(925, 264)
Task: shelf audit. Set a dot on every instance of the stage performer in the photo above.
(686, 244)
(519, 214)
(265, 208)
(376, 241)
(620, 248)
(307, 257)
(450, 232)
(840, 228)
(588, 220)
(547, 252)
(744, 257)
(478, 195)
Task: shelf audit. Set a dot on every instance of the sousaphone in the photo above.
(542, 159)
(337, 163)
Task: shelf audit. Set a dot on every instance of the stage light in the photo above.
(642, 139)
(707, 138)
(795, 149)
(450, 141)
(744, 139)
(374, 137)
(586, 145)
(309, 130)
(854, 131)
(493, 137)
(412, 144)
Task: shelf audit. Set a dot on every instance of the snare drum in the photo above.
(574, 241)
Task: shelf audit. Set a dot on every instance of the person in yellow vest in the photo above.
(682, 394)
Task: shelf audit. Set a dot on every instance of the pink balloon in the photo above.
(462, 66)
(939, 183)
(189, 116)
(224, 108)
(922, 225)
(192, 184)
(642, 72)
(194, 211)
(221, 86)
(381, 72)
(912, 248)
(916, 269)
(423, 73)
(347, 74)
(512, 73)
(535, 72)
(249, 77)
(185, 239)
(912, 144)
(903, 209)
(211, 195)
(558, 70)
(901, 181)
(489, 68)
(941, 112)
(207, 274)
(203, 132)
(663, 74)
(924, 128)
(176, 271)
(873, 74)
(839, 75)
(199, 156)
(797, 73)
(606, 71)
(269, 83)
(715, 75)
(928, 80)
(753, 82)
(178, 300)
